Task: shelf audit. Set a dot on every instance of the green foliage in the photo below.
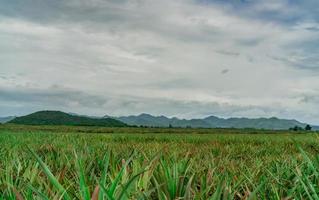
(308, 127)
(61, 118)
(296, 128)
(69, 163)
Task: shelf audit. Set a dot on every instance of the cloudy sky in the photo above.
(184, 58)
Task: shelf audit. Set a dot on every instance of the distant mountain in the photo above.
(315, 127)
(61, 118)
(6, 119)
(211, 122)
(146, 120)
(258, 123)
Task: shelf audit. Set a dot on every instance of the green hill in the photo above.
(61, 118)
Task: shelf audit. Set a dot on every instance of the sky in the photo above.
(183, 58)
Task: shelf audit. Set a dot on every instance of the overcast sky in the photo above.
(184, 58)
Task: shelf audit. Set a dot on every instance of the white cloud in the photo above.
(136, 54)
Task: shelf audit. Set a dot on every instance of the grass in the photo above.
(138, 163)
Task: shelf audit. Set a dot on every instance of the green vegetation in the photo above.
(61, 118)
(66, 162)
(298, 128)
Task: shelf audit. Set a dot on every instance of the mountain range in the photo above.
(272, 123)
(61, 118)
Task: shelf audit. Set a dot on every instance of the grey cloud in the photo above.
(20, 102)
(4, 77)
(227, 53)
(309, 98)
(61, 10)
(116, 17)
(314, 28)
(225, 71)
(308, 63)
(55, 95)
(283, 12)
(250, 42)
(162, 57)
(168, 84)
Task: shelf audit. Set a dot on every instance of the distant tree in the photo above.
(292, 128)
(170, 126)
(308, 127)
(296, 128)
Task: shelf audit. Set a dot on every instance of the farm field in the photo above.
(52, 162)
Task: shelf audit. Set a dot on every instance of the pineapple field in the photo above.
(66, 162)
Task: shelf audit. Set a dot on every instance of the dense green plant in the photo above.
(63, 165)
